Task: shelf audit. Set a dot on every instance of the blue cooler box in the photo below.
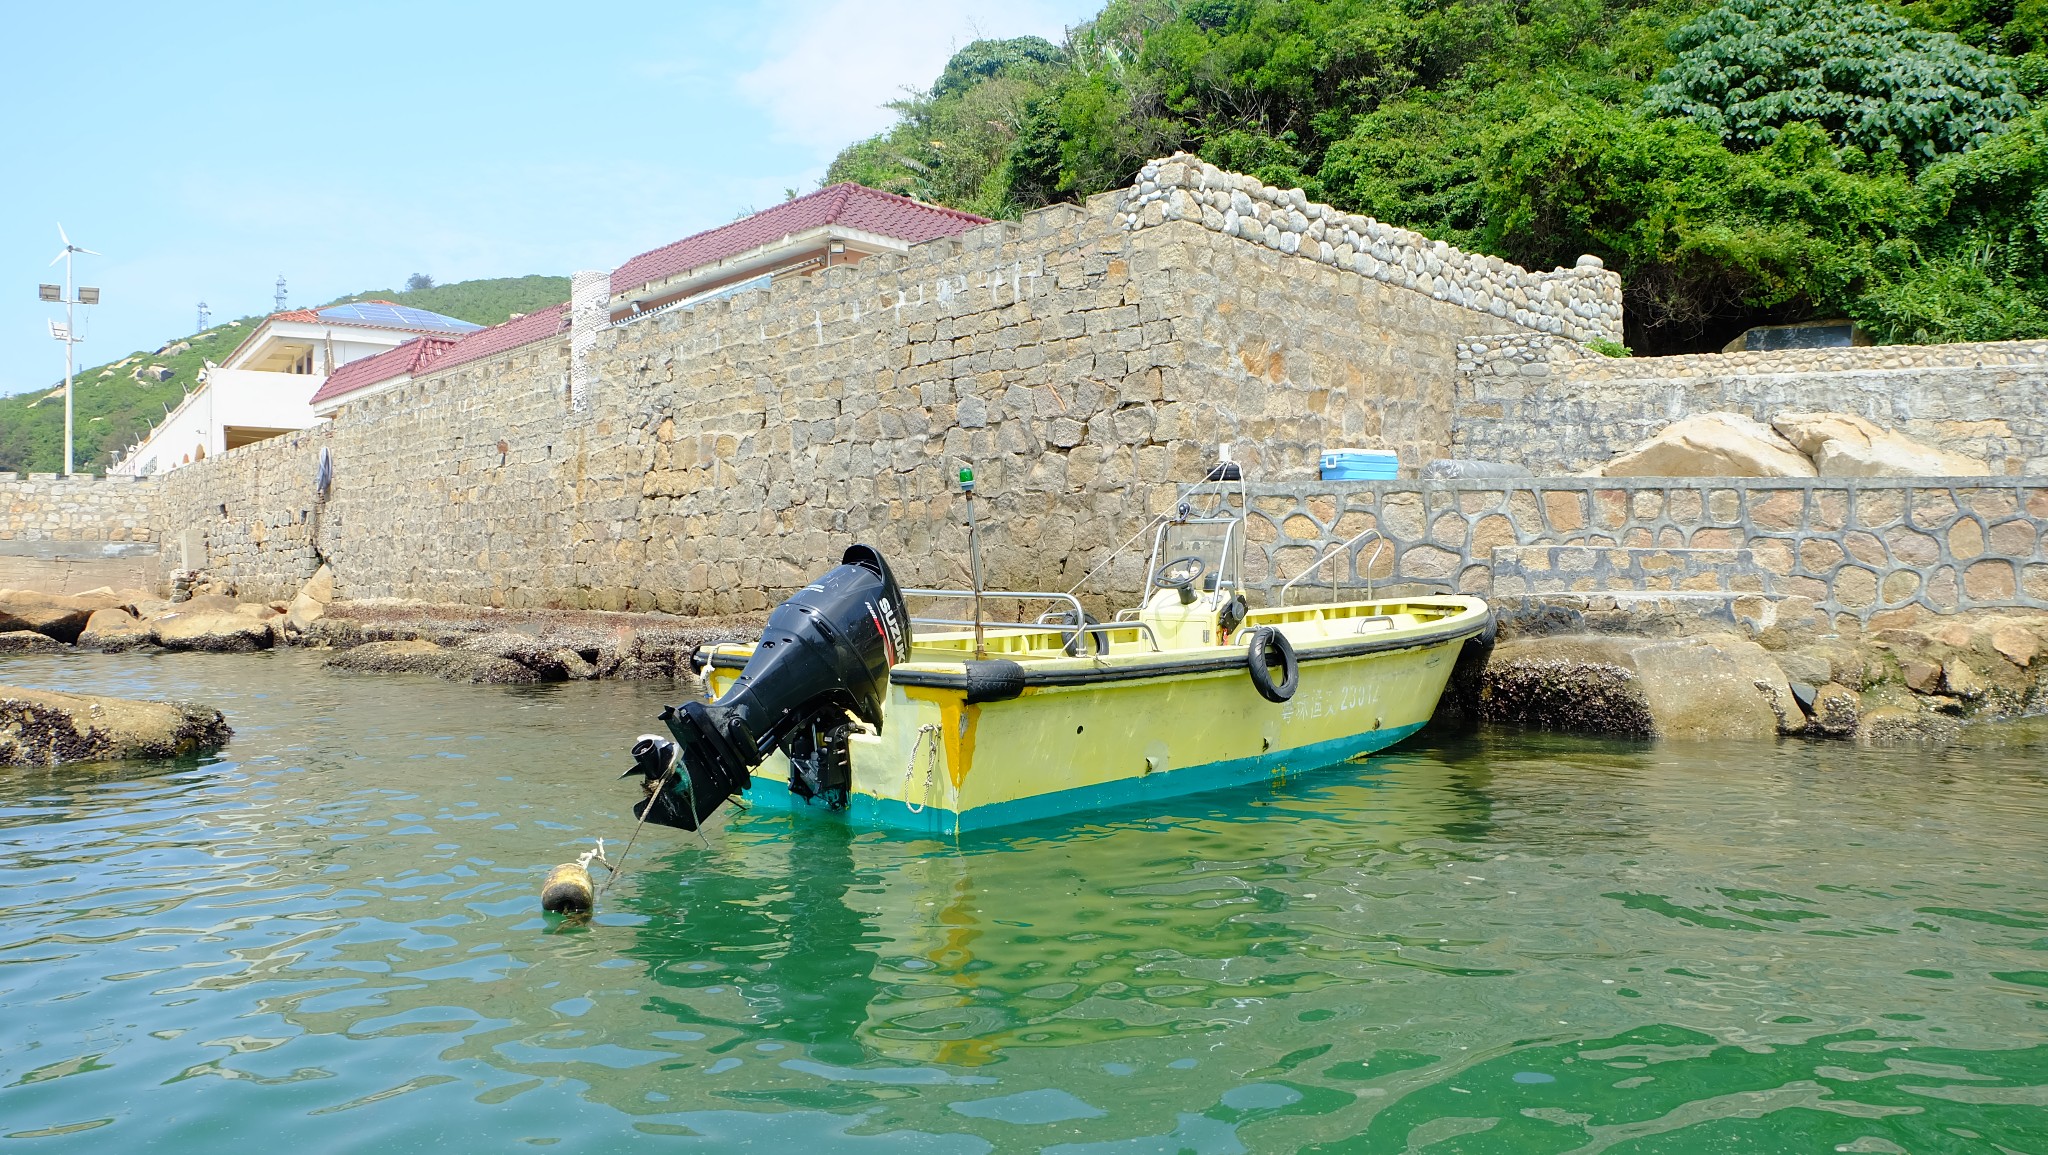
(1360, 465)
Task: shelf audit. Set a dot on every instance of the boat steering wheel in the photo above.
(1180, 573)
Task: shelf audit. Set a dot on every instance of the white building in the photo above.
(265, 388)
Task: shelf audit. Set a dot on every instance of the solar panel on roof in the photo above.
(396, 316)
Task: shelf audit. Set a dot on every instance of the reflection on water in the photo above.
(1502, 943)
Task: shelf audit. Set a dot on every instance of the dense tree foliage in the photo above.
(1748, 162)
(1750, 67)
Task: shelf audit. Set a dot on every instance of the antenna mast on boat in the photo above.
(973, 558)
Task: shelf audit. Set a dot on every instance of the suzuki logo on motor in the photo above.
(890, 627)
(896, 630)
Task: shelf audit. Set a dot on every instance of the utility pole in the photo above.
(68, 331)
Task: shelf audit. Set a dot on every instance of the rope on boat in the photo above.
(931, 766)
(616, 871)
(1147, 528)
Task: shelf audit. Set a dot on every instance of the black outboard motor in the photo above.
(822, 662)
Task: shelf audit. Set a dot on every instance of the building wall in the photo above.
(1084, 361)
(1869, 551)
(1556, 407)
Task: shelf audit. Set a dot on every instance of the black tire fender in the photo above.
(1267, 642)
(994, 680)
(1077, 642)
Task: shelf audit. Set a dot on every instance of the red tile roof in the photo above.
(852, 205)
(403, 361)
(510, 335)
(434, 353)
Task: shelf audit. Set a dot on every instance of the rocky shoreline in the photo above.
(459, 643)
(1670, 675)
(1638, 666)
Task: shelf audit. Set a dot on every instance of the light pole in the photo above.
(68, 331)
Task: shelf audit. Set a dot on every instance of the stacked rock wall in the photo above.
(1555, 406)
(1085, 360)
(1581, 303)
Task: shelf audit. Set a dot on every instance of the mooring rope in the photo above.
(659, 786)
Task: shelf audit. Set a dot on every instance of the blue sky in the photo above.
(204, 149)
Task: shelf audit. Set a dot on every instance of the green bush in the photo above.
(1749, 68)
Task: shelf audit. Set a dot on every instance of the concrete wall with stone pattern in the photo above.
(1867, 551)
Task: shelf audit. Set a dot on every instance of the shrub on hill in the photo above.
(1819, 158)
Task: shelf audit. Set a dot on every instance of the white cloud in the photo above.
(835, 63)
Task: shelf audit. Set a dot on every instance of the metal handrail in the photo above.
(1014, 595)
(1080, 616)
(1090, 628)
(1334, 577)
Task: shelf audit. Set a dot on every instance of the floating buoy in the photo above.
(568, 890)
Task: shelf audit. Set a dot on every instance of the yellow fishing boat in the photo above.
(850, 704)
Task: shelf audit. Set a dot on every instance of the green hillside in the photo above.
(117, 402)
(1740, 162)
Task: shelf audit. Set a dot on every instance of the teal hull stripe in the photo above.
(892, 814)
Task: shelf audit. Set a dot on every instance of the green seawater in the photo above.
(329, 939)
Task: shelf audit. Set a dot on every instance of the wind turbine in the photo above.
(68, 332)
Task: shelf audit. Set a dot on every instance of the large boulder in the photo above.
(1697, 688)
(423, 657)
(211, 631)
(44, 727)
(61, 616)
(310, 604)
(319, 587)
(114, 629)
(303, 611)
(28, 642)
(1844, 445)
(1837, 711)
(1713, 445)
(546, 655)
(1906, 723)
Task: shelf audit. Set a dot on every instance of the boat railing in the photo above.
(1336, 575)
(1076, 618)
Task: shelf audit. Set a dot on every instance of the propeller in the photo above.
(68, 248)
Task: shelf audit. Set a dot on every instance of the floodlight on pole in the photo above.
(50, 292)
(68, 332)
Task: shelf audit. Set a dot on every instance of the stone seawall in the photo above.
(1555, 406)
(66, 534)
(718, 457)
(44, 507)
(1866, 552)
